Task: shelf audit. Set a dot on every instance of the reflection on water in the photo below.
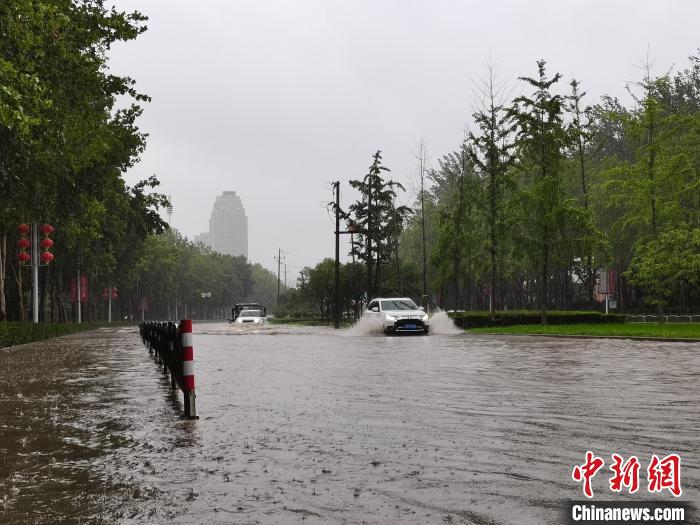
(312, 426)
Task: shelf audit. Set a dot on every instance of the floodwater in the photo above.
(308, 425)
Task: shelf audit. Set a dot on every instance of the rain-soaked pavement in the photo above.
(307, 425)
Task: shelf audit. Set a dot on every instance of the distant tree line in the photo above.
(544, 192)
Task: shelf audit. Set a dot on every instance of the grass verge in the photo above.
(659, 330)
(17, 333)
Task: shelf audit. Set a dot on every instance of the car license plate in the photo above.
(410, 326)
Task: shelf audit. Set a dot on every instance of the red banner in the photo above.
(83, 288)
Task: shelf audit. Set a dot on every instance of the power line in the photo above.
(315, 259)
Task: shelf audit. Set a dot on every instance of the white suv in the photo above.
(398, 314)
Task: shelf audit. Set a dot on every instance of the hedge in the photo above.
(483, 319)
(16, 333)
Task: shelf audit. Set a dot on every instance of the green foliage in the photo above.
(14, 333)
(540, 203)
(173, 273)
(666, 264)
(457, 253)
(582, 188)
(67, 134)
(379, 220)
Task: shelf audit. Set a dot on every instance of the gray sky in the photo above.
(276, 99)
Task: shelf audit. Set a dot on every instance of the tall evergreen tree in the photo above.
(378, 218)
(491, 153)
(540, 141)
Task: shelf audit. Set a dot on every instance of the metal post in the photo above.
(606, 303)
(337, 255)
(109, 304)
(279, 259)
(35, 272)
(187, 356)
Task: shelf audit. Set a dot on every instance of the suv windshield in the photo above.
(250, 313)
(399, 304)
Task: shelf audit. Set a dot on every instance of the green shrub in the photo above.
(17, 333)
(483, 319)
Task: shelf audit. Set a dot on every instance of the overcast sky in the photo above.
(275, 100)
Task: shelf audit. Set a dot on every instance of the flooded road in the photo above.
(308, 425)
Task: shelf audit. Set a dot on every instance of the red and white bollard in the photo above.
(188, 368)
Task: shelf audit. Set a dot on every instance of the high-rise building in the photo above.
(203, 238)
(228, 226)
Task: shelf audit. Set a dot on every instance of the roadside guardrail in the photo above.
(172, 346)
(670, 318)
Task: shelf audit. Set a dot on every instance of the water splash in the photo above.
(442, 324)
(366, 326)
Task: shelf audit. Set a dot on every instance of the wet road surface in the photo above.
(307, 425)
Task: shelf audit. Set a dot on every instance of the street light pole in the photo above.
(337, 255)
(35, 272)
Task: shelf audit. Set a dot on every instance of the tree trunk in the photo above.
(543, 295)
(3, 257)
(20, 292)
(398, 271)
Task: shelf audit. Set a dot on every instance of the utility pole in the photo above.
(352, 229)
(422, 218)
(279, 264)
(337, 255)
(369, 238)
(35, 272)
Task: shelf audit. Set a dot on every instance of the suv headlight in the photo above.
(390, 318)
(425, 318)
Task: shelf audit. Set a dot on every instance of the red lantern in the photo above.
(23, 244)
(24, 257)
(115, 295)
(46, 229)
(46, 257)
(23, 229)
(45, 243)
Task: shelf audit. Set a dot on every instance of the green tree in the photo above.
(491, 153)
(540, 141)
(378, 218)
(668, 266)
